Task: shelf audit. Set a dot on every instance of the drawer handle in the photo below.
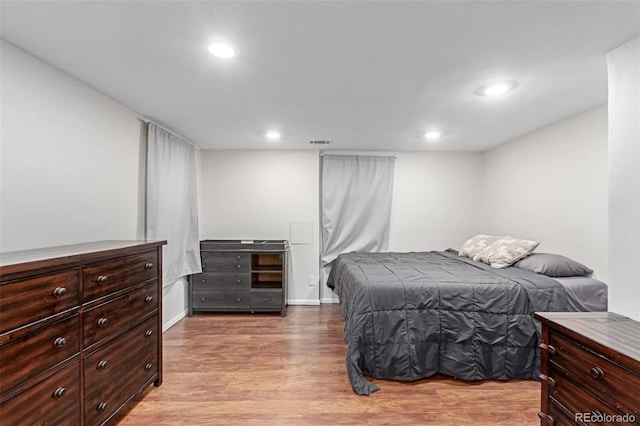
(552, 350)
(238, 299)
(238, 257)
(204, 281)
(148, 299)
(148, 367)
(102, 322)
(148, 333)
(59, 342)
(59, 393)
(59, 292)
(549, 419)
(148, 265)
(597, 373)
(101, 279)
(204, 266)
(237, 266)
(238, 282)
(547, 379)
(203, 299)
(102, 365)
(266, 299)
(102, 406)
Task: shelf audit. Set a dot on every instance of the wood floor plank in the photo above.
(260, 369)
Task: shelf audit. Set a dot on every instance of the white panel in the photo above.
(301, 233)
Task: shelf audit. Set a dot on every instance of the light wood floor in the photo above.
(237, 369)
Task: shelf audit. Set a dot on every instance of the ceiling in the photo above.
(372, 75)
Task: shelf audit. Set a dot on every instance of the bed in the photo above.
(410, 316)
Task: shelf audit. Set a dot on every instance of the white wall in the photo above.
(551, 186)
(436, 200)
(624, 178)
(69, 164)
(256, 195)
(69, 159)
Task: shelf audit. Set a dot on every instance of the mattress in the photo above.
(584, 294)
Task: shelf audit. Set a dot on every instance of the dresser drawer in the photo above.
(573, 396)
(110, 318)
(39, 297)
(133, 377)
(608, 381)
(54, 401)
(28, 356)
(221, 281)
(100, 279)
(266, 299)
(115, 358)
(204, 299)
(226, 262)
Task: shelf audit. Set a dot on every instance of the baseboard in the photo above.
(173, 321)
(329, 300)
(299, 302)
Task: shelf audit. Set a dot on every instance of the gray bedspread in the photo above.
(412, 315)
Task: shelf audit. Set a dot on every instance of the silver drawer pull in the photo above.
(203, 299)
(238, 282)
(59, 292)
(101, 279)
(59, 393)
(238, 299)
(597, 373)
(547, 379)
(148, 333)
(102, 365)
(204, 281)
(238, 257)
(237, 266)
(148, 299)
(266, 299)
(148, 265)
(552, 350)
(59, 342)
(148, 367)
(102, 406)
(102, 322)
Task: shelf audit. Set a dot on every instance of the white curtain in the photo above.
(356, 204)
(172, 206)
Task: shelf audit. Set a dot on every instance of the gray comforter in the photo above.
(412, 315)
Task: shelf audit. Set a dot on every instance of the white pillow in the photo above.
(505, 252)
(476, 244)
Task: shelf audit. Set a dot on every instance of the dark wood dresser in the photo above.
(590, 370)
(80, 331)
(241, 275)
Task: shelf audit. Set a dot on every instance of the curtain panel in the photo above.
(356, 204)
(172, 206)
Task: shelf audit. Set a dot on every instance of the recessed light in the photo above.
(273, 135)
(496, 89)
(223, 51)
(432, 135)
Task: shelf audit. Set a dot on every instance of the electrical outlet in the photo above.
(312, 281)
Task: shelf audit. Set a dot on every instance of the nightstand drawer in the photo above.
(226, 262)
(221, 281)
(608, 381)
(203, 299)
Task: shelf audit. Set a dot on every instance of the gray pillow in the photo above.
(553, 265)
